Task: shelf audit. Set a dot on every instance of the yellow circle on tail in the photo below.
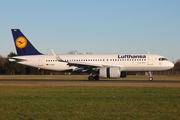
(21, 42)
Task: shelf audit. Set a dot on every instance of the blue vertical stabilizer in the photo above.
(22, 44)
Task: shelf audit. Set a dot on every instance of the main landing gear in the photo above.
(150, 76)
(93, 77)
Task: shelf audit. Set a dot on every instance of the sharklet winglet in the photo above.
(56, 56)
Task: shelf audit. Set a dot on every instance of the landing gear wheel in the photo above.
(96, 77)
(150, 78)
(90, 78)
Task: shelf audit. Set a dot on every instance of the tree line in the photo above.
(12, 68)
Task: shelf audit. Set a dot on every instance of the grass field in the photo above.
(82, 77)
(54, 102)
(77, 102)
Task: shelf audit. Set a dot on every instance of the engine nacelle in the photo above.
(111, 72)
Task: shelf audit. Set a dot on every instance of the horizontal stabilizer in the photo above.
(13, 59)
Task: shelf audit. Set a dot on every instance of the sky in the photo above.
(96, 26)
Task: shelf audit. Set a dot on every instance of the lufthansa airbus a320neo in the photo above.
(99, 65)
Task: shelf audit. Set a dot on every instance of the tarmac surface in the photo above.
(106, 82)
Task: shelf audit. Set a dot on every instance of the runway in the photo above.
(100, 82)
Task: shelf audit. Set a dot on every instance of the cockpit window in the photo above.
(162, 59)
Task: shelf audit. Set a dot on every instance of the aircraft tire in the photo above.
(150, 78)
(96, 77)
(90, 78)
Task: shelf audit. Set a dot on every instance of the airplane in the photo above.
(98, 65)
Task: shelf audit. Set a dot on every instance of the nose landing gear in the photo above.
(150, 76)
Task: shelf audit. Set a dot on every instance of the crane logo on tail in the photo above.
(21, 42)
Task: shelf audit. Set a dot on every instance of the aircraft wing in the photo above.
(78, 64)
(81, 64)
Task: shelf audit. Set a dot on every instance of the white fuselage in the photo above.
(127, 62)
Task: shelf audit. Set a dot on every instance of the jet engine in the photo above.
(111, 72)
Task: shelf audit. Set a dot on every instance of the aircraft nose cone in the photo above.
(171, 65)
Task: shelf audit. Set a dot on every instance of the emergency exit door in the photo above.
(150, 59)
